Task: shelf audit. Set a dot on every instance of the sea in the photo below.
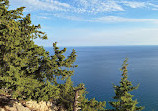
(99, 68)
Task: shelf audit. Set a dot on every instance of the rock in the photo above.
(1, 109)
(16, 107)
(34, 105)
(9, 108)
(9, 104)
(41, 106)
(20, 107)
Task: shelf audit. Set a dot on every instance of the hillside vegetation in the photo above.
(28, 72)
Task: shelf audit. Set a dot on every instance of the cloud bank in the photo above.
(87, 10)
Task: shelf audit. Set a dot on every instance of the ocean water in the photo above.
(99, 67)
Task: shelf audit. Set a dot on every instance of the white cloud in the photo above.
(86, 10)
(134, 4)
(69, 17)
(48, 5)
(83, 6)
(154, 6)
(42, 17)
(76, 6)
(97, 6)
(121, 19)
(104, 19)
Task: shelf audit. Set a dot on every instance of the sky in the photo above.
(94, 22)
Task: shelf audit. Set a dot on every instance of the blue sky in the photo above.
(94, 22)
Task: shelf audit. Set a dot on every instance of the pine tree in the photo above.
(27, 71)
(124, 98)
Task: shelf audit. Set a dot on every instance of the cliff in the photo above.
(9, 104)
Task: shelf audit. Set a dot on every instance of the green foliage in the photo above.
(92, 105)
(68, 94)
(27, 70)
(89, 105)
(124, 98)
(46, 92)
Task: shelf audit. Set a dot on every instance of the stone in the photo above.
(1, 109)
(20, 107)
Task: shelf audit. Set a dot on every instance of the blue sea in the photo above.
(99, 67)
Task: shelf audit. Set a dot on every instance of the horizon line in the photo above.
(102, 46)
